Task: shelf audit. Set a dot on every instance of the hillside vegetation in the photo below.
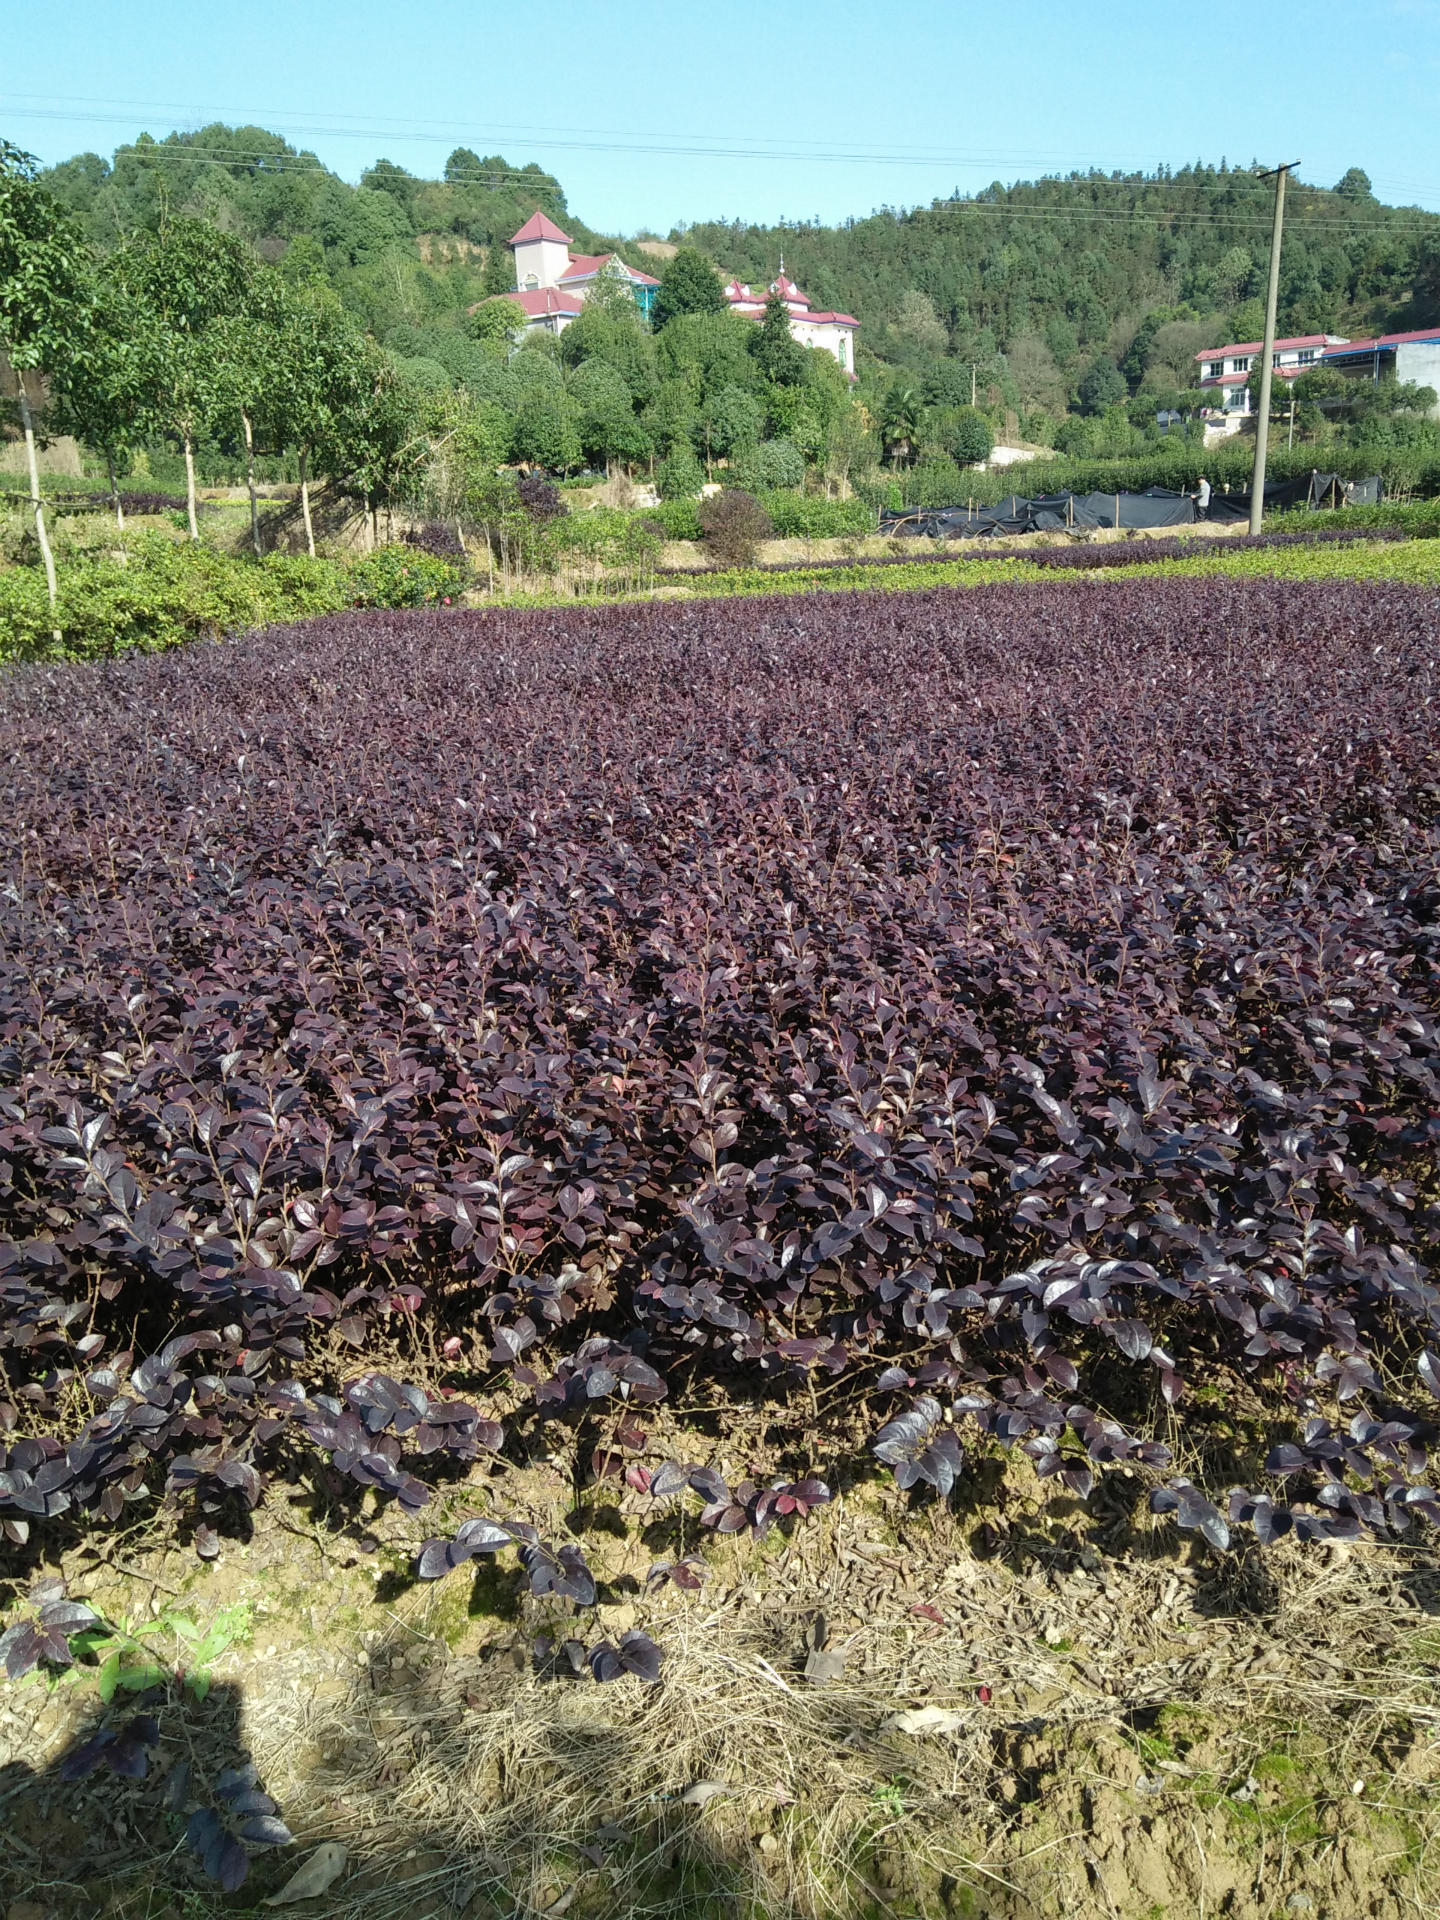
(1080, 299)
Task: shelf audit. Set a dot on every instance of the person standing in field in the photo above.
(1202, 498)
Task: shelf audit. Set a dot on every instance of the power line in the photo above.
(601, 140)
(1333, 226)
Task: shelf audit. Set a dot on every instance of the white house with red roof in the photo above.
(551, 282)
(1225, 371)
(811, 327)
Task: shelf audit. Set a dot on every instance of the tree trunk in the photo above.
(190, 488)
(305, 500)
(250, 481)
(114, 490)
(35, 501)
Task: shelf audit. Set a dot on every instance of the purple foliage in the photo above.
(437, 539)
(1018, 997)
(540, 497)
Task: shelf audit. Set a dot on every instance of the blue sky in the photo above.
(655, 111)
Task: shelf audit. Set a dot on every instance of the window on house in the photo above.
(531, 281)
(1306, 356)
(1242, 365)
(1213, 369)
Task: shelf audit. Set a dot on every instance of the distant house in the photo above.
(551, 282)
(1225, 371)
(1410, 357)
(835, 332)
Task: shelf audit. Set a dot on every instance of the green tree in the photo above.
(463, 165)
(609, 430)
(494, 323)
(732, 421)
(773, 347)
(45, 315)
(1354, 184)
(901, 414)
(679, 476)
(98, 395)
(710, 349)
(322, 380)
(377, 443)
(498, 273)
(688, 284)
(848, 445)
(971, 440)
(612, 329)
(546, 432)
(1103, 386)
(672, 417)
(186, 278)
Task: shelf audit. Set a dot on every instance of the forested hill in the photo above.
(1067, 262)
(1050, 273)
(401, 251)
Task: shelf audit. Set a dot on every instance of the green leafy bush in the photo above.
(770, 466)
(679, 476)
(797, 516)
(878, 490)
(936, 482)
(404, 577)
(677, 519)
(606, 537)
(146, 591)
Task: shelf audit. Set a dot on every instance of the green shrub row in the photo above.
(793, 515)
(147, 591)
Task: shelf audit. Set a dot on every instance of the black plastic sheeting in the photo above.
(1088, 512)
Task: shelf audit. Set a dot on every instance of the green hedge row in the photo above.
(793, 515)
(149, 591)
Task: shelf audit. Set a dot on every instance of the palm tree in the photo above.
(900, 422)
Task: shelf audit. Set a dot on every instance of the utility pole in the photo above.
(1272, 293)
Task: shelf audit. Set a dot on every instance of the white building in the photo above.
(551, 284)
(1225, 371)
(835, 332)
(1411, 358)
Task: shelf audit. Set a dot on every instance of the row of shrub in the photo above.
(1178, 464)
(145, 590)
(792, 516)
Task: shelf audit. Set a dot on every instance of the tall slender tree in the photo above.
(99, 394)
(323, 380)
(45, 314)
(188, 277)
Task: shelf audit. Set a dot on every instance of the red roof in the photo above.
(539, 227)
(1241, 379)
(583, 266)
(1384, 340)
(1257, 346)
(539, 303)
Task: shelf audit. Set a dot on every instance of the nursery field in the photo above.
(611, 1108)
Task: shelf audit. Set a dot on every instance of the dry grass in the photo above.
(1167, 1730)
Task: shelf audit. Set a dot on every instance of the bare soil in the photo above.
(1132, 1726)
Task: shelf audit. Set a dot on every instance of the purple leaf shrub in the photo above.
(1018, 1002)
